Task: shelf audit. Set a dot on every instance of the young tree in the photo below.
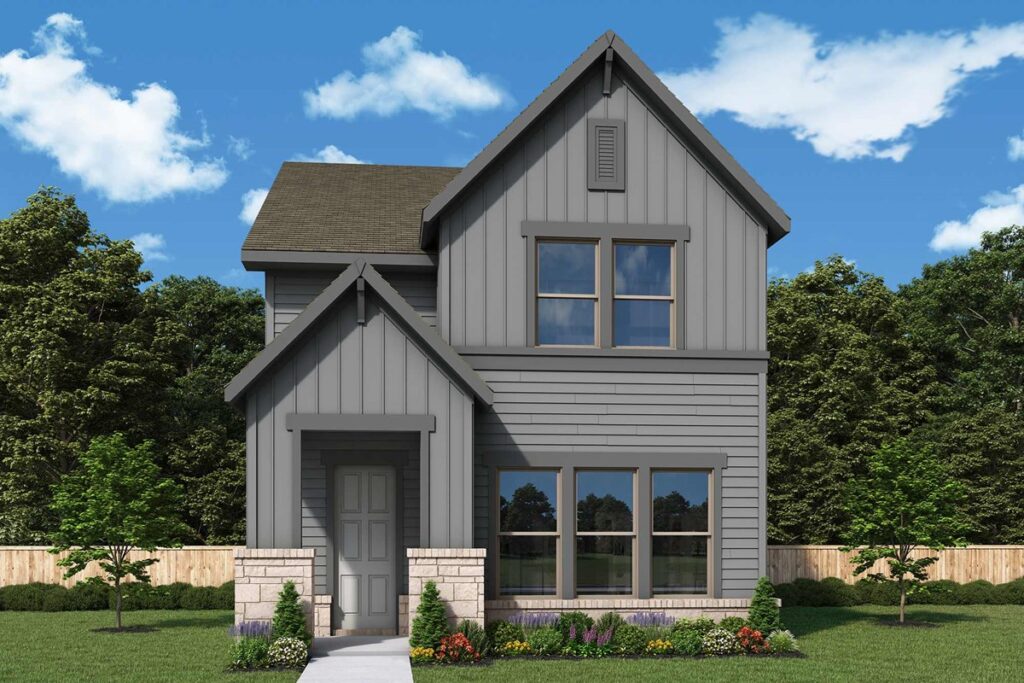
(906, 501)
(115, 503)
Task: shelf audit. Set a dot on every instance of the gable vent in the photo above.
(605, 154)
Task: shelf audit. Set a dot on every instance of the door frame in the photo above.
(395, 460)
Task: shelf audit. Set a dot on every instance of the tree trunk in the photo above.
(903, 602)
(117, 601)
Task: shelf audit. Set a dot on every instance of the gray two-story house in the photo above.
(538, 380)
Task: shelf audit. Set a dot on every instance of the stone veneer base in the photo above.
(459, 576)
(260, 574)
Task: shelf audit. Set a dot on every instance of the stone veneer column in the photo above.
(260, 574)
(459, 575)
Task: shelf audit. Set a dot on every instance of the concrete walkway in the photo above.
(361, 659)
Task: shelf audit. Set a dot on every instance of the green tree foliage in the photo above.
(764, 611)
(80, 354)
(289, 619)
(906, 500)
(966, 313)
(843, 378)
(202, 443)
(430, 624)
(529, 510)
(114, 503)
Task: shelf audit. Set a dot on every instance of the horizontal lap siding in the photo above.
(290, 292)
(372, 369)
(669, 413)
(542, 177)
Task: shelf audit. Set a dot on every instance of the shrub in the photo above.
(703, 624)
(199, 597)
(501, 632)
(89, 595)
(609, 621)
(421, 655)
(941, 592)
(476, 635)
(137, 595)
(250, 653)
(877, 592)
(977, 593)
(288, 653)
(838, 593)
(1012, 593)
(28, 597)
(752, 641)
(226, 595)
(456, 648)
(289, 619)
(430, 624)
(629, 639)
(718, 642)
(576, 621)
(176, 591)
(732, 624)
(658, 647)
(782, 642)
(545, 641)
(514, 648)
(688, 641)
(764, 610)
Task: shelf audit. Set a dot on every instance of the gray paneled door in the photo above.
(365, 525)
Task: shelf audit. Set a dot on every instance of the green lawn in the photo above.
(61, 646)
(977, 643)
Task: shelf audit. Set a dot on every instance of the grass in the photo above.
(976, 643)
(61, 646)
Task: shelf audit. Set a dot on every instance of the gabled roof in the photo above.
(359, 208)
(684, 122)
(444, 354)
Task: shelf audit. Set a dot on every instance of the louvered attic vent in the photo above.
(606, 154)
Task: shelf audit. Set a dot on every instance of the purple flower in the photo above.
(251, 629)
(590, 635)
(604, 638)
(531, 620)
(572, 632)
(650, 619)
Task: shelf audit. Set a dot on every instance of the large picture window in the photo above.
(681, 532)
(642, 310)
(567, 293)
(527, 532)
(605, 532)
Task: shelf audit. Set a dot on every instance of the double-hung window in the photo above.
(681, 532)
(605, 531)
(567, 313)
(644, 294)
(527, 531)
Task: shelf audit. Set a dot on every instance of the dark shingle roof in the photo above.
(346, 208)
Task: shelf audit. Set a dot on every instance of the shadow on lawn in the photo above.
(807, 620)
(196, 621)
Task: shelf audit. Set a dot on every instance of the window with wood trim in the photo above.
(605, 532)
(644, 294)
(567, 293)
(681, 530)
(528, 532)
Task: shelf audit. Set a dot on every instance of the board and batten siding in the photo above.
(341, 367)
(656, 412)
(289, 292)
(543, 177)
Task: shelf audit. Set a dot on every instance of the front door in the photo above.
(366, 594)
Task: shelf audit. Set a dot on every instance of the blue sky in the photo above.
(872, 124)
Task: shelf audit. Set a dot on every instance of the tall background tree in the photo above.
(86, 350)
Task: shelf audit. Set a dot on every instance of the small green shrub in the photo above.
(226, 595)
(732, 624)
(199, 597)
(877, 592)
(609, 620)
(764, 610)
(838, 593)
(288, 653)
(476, 635)
(501, 632)
(782, 642)
(56, 600)
(568, 619)
(431, 623)
(28, 597)
(688, 641)
(941, 592)
(977, 593)
(719, 642)
(629, 640)
(176, 591)
(289, 619)
(89, 595)
(250, 653)
(546, 640)
(136, 595)
(1012, 593)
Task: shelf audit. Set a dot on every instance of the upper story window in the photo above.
(643, 294)
(639, 302)
(567, 293)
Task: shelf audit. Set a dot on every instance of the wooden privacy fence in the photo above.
(199, 565)
(995, 563)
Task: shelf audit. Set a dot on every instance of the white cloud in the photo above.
(848, 99)
(401, 76)
(151, 246)
(252, 201)
(331, 155)
(999, 210)
(1015, 150)
(240, 147)
(126, 149)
